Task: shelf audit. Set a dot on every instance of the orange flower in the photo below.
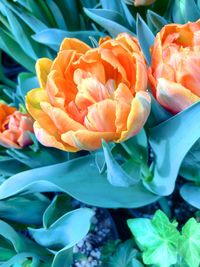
(175, 68)
(14, 127)
(89, 94)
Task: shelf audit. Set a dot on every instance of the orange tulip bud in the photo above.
(175, 68)
(89, 94)
(14, 127)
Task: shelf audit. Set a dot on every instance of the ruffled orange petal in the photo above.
(174, 96)
(87, 140)
(46, 139)
(60, 118)
(74, 44)
(101, 116)
(140, 109)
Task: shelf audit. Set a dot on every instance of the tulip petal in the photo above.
(43, 67)
(60, 118)
(101, 116)
(87, 140)
(74, 44)
(49, 140)
(140, 109)
(6, 142)
(174, 96)
(33, 99)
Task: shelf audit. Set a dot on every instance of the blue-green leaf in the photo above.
(145, 37)
(184, 11)
(170, 145)
(191, 194)
(64, 177)
(66, 231)
(109, 20)
(54, 37)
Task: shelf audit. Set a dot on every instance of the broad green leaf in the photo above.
(184, 11)
(191, 194)
(64, 177)
(145, 37)
(109, 20)
(123, 255)
(66, 231)
(189, 243)
(157, 238)
(116, 175)
(54, 37)
(170, 145)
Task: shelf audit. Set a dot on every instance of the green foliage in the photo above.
(163, 245)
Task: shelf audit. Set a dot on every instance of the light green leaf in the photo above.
(170, 145)
(109, 20)
(66, 231)
(65, 176)
(157, 238)
(189, 243)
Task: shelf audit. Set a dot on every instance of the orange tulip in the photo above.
(89, 94)
(14, 127)
(174, 72)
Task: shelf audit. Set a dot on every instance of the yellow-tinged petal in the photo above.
(174, 96)
(43, 67)
(49, 140)
(33, 99)
(87, 140)
(74, 44)
(140, 109)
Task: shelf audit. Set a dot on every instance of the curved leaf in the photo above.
(170, 142)
(75, 178)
